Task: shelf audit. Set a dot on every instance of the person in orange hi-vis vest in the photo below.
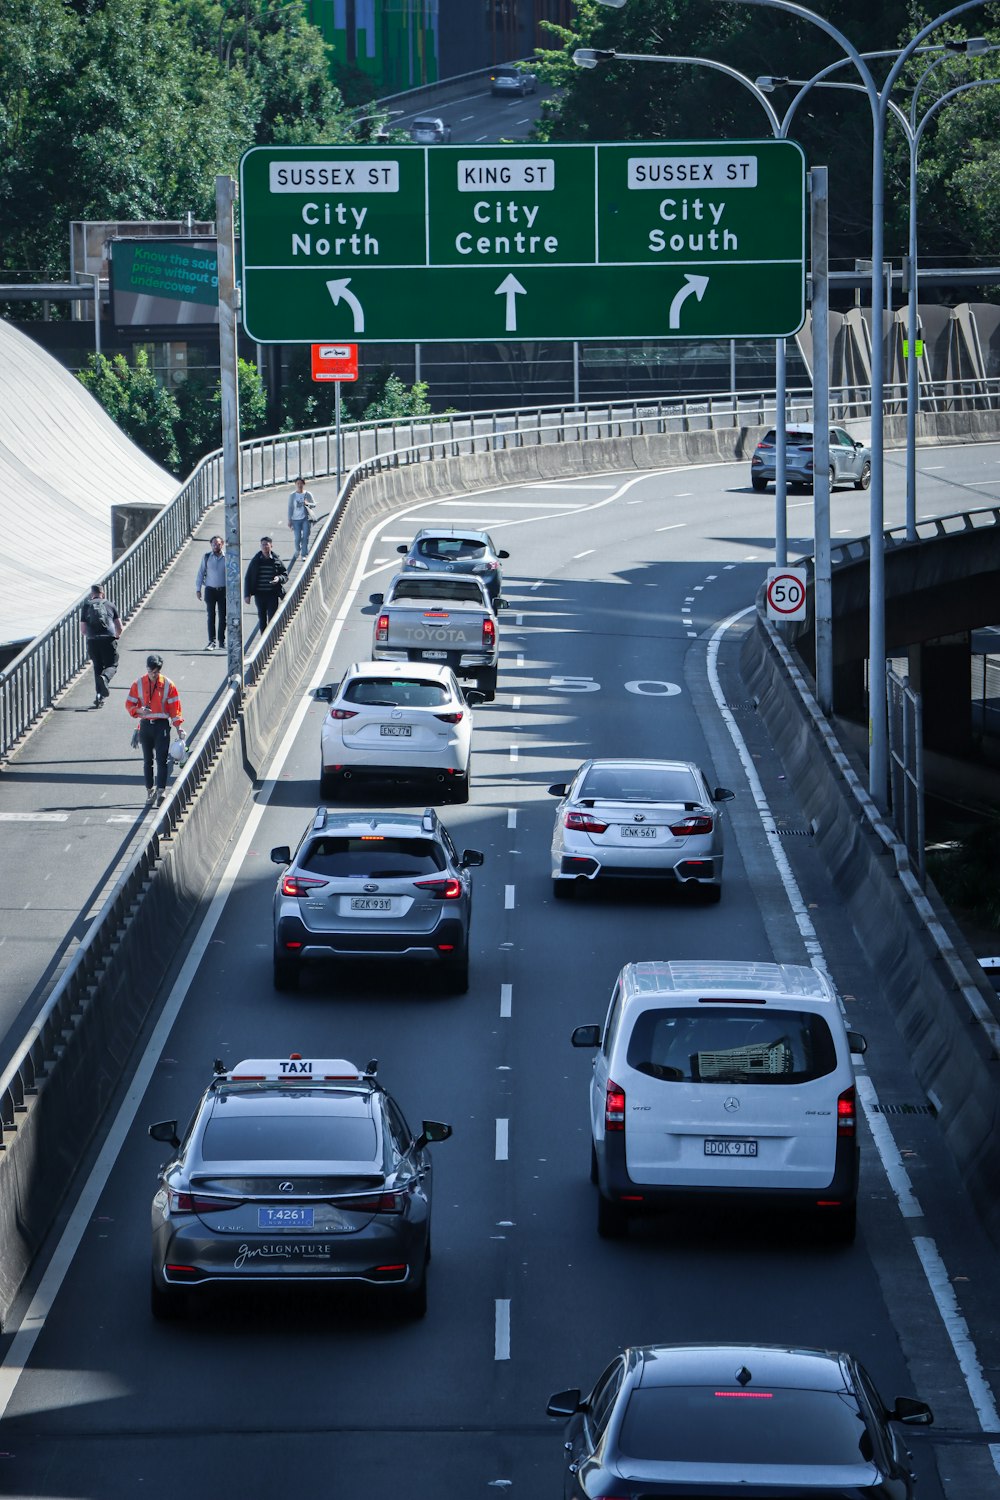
(154, 700)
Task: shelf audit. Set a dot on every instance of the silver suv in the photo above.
(850, 461)
(507, 80)
(374, 885)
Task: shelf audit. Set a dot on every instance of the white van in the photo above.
(716, 1079)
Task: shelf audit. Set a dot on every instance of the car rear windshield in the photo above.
(641, 784)
(441, 588)
(731, 1044)
(733, 1425)
(374, 857)
(277, 1138)
(395, 692)
(427, 125)
(448, 548)
(794, 438)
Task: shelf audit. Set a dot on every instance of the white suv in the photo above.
(715, 1079)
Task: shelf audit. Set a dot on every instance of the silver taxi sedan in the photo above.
(638, 820)
(294, 1170)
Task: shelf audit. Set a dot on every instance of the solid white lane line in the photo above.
(677, 526)
(506, 997)
(512, 817)
(937, 1276)
(589, 553)
(502, 1139)
(501, 1331)
(508, 898)
(34, 817)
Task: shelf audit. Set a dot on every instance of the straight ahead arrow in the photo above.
(695, 284)
(510, 288)
(338, 291)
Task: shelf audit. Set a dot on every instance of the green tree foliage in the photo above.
(134, 398)
(396, 400)
(651, 101)
(130, 108)
(199, 421)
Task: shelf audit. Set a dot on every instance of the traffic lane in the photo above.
(480, 117)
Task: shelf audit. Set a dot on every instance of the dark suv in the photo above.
(374, 885)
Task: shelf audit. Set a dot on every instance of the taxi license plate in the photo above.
(371, 903)
(284, 1218)
(630, 831)
(434, 655)
(730, 1148)
(395, 731)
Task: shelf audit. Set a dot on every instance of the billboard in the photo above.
(164, 282)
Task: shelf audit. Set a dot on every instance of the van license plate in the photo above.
(730, 1148)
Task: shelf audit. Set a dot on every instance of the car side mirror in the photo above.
(500, 602)
(559, 789)
(432, 1130)
(471, 857)
(402, 548)
(565, 1404)
(473, 696)
(858, 446)
(165, 1131)
(722, 794)
(913, 1413)
(856, 1043)
(503, 554)
(376, 599)
(586, 1036)
(282, 855)
(324, 694)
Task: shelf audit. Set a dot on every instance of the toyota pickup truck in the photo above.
(447, 618)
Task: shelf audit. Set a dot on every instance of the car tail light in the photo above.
(699, 823)
(382, 628)
(372, 1203)
(584, 822)
(413, 562)
(455, 718)
(448, 889)
(847, 1118)
(299, 885)
(198, 1203)
(489, 633)
(490, 567)
(343, 713)
(614, 1107)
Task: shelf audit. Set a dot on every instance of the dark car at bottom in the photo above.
(735, 1422)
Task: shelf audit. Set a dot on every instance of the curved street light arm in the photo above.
(707, 62)
(819, 82)
(914, 45)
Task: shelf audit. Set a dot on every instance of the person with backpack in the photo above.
(154, 700)
(102, 626)
(211, 582)
(264, 582)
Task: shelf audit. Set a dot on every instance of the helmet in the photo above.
(154, 662)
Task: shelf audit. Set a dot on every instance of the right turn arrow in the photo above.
(695, 284)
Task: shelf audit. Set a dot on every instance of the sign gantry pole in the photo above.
(225, 189)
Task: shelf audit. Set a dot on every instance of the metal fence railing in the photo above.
(49, 663)
(906, 766)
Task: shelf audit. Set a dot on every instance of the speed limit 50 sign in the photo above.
(786, 593)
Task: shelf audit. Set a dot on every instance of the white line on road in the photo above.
(32, 817)
(502, 1137)
(677, 526)
(520, 658)
(512, 817)
(515, 702)
(508, 898)
(589, 553)
(506, 995)
(513, 754)
(501, 1334)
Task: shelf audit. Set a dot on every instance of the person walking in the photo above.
(102, 626)
(265, 575)
(155, 702)
(301, 510)
(211, 582)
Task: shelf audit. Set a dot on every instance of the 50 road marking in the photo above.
(646, 687)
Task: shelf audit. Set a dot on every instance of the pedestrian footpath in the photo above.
(73, 805)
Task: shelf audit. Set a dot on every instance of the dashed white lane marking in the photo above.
(513, 754)
(677, 526)
(693, 634)
(589, 553)
(508, 898)
(506, 998)
(519, 620)
(502, 1138)
(934, 1269)
(515, 702)
(520, 658)
(728, 567)
(609, 484)
(501, 1332)
(537, 583)
(512, 817)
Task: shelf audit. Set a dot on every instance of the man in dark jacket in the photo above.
(101, 625)
(264, 576)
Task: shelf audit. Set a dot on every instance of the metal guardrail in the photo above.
(49, 664)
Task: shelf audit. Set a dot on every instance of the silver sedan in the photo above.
(638, 820)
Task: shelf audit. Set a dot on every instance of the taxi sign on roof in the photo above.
(270, 1069)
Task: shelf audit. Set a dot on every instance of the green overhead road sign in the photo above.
(417, 244)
